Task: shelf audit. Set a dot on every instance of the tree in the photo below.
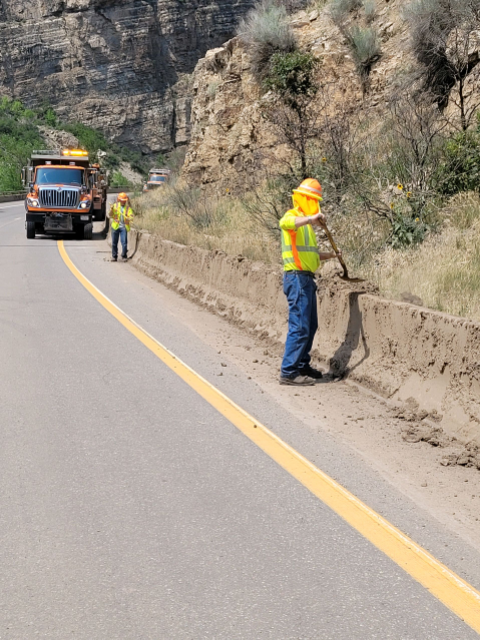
(446, 43)
(291, 109)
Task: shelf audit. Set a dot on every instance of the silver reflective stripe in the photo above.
(307, 249)
(285, 246)
(304, 186)
(288, 260)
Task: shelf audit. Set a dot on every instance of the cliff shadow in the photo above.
(340, 361)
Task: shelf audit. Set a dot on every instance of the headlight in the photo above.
(32, 202)
(85, 204)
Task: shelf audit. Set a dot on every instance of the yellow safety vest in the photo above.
(116, 212)
(299, 246)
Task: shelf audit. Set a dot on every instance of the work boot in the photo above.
(124, 259)
(114, 259)
(309, 371)
(297, 381)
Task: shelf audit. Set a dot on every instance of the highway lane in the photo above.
(132, 509)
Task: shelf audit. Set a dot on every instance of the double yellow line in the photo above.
(455, 593)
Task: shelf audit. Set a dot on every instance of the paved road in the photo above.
(131, 509)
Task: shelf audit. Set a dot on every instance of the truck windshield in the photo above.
(47, 175)
(157, 178)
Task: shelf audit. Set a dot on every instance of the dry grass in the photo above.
(444, 271)
(189, 217)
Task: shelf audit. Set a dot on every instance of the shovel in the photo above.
(345, 275)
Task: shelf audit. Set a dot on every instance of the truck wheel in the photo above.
(88, 231)
(30, 227)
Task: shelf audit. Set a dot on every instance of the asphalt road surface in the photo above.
(132, 509)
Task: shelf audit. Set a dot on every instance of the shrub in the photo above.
(339, 9)
(293, 111)
(407, 231)
(17, 140)
(91, 139)
(292, 74)
(196, 206)
(444, 41)
(119, 180)
(369, 9)
(460, 169)
(365, 46)
(265, 30)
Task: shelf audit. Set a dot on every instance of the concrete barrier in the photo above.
(400, 351)
(12, 197)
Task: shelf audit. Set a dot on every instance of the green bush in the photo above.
(265, 30)
(18, 138)
(460, 169)
(90, 139)
(20, 134)
(119, 180)
(292, 73)
(407, 231)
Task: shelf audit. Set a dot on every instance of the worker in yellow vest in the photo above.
(121, 215)
(301, 258)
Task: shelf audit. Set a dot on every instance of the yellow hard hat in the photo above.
(311, 188)
(122, 197)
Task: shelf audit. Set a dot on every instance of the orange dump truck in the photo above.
(66, 193)
(156, 178)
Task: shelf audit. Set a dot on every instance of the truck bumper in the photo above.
(58, 221)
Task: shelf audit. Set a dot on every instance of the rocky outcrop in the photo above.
(230, 140)
(232, 145)
(119, 65)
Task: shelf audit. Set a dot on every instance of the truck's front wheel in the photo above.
(88, 231)
(30, 228)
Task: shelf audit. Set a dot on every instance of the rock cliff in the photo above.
(232, 145)
(119, 65)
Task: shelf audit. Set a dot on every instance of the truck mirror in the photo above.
(31, 185)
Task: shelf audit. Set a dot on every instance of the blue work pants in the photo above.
(301, 292)
(121, 233)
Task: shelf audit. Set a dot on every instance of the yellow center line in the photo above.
(459, 596)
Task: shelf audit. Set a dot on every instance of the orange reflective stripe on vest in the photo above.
(296, 257)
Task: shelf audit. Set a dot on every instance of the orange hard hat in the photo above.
(311, 188)
(122, 197)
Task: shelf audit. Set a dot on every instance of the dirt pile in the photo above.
(425, 360)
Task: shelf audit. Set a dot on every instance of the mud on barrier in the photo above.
(396, 349)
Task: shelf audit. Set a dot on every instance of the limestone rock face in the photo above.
(230, 141)
(119, 65)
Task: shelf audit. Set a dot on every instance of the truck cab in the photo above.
(66, 193)
(156, 178)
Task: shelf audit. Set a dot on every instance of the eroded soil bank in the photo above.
(425, 360)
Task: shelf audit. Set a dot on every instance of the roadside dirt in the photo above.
(405, 446)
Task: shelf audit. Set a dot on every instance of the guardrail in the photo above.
(127, 188)
(12, 196)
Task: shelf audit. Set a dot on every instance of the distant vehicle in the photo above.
(66, 193)
(156, 178)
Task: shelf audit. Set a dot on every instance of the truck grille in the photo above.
(59, 197)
